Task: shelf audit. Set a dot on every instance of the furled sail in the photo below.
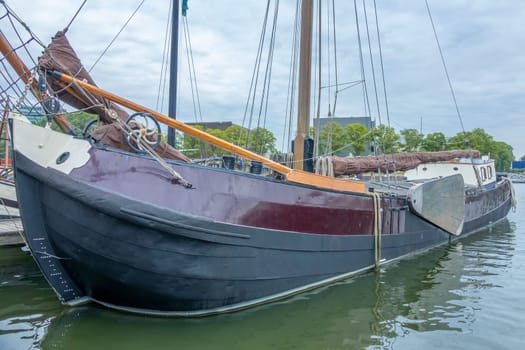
(395, 162)
(60, 56)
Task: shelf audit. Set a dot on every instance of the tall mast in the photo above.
(305, 77)
(174, 53)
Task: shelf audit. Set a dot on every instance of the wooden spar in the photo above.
(25, 74)
(291, 175)
(305, 77)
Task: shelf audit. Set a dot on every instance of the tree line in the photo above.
(387, 140)
(353, 139)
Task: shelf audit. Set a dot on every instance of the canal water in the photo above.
(466, 295)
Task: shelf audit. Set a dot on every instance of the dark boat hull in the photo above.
(96, 244)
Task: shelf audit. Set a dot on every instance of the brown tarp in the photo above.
(395, 162)
(60, 56)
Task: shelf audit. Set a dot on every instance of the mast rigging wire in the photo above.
(74, 16)
(116, 36)
(292, 80)
(444, 66)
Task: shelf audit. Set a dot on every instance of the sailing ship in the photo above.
(141, 233)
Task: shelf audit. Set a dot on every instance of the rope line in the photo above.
(377, 229)
(116, 36)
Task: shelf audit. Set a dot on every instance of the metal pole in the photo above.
(174, 53)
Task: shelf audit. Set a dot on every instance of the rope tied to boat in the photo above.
(377, 229)
(148, 149)
(513, 200)
(324, 166)
(143, 144)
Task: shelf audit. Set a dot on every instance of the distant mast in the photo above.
(174, 53)
(305, 69)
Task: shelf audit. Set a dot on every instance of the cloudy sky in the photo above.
(482, 42)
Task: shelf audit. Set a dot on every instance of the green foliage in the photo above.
(434, 142)
(357, 137)
(502, 154)
(413, 140)
(3, 140)
(332, 138)
(386, 139)
(485, 143)
(77, 121)
(261, 141)
(192, 146)
(475, 139)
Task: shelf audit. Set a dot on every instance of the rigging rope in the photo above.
(292, 80)
(377, 229)
(480, 183)
(267, 78)
(317, 122)
(372, 62)
(116, 36)
(74, 16)
(445, 66)
(361, 62)
(255, 78)
(164, 67)
(335, 58)
(382, 66)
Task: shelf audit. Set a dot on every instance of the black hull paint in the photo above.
(103, 246)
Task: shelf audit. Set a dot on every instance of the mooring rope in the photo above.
(377, 229)
(513, 200)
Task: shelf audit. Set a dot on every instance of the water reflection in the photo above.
(26, 302)
(433, 293)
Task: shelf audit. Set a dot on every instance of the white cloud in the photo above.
(481, 40)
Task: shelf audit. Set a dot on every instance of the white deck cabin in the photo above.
(467, 167)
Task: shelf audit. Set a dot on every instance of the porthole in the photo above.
(62, 158)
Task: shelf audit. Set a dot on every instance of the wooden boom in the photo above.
(291, 175)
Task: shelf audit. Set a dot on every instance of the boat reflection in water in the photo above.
(27, 304)
(434, 294)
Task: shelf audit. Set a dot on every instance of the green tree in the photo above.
(475, 139)
(413, 140)
(434, 142)
(357, 136)
(77, 121)
(502, 155)
(192, 146)
(485, 143)
(3, 141)
(332, 139)
(262, 141)
(236, 134)
(386, 139)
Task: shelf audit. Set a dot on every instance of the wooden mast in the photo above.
(305, 76)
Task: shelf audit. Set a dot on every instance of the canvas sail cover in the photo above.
(60, 56)
(395, 162)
